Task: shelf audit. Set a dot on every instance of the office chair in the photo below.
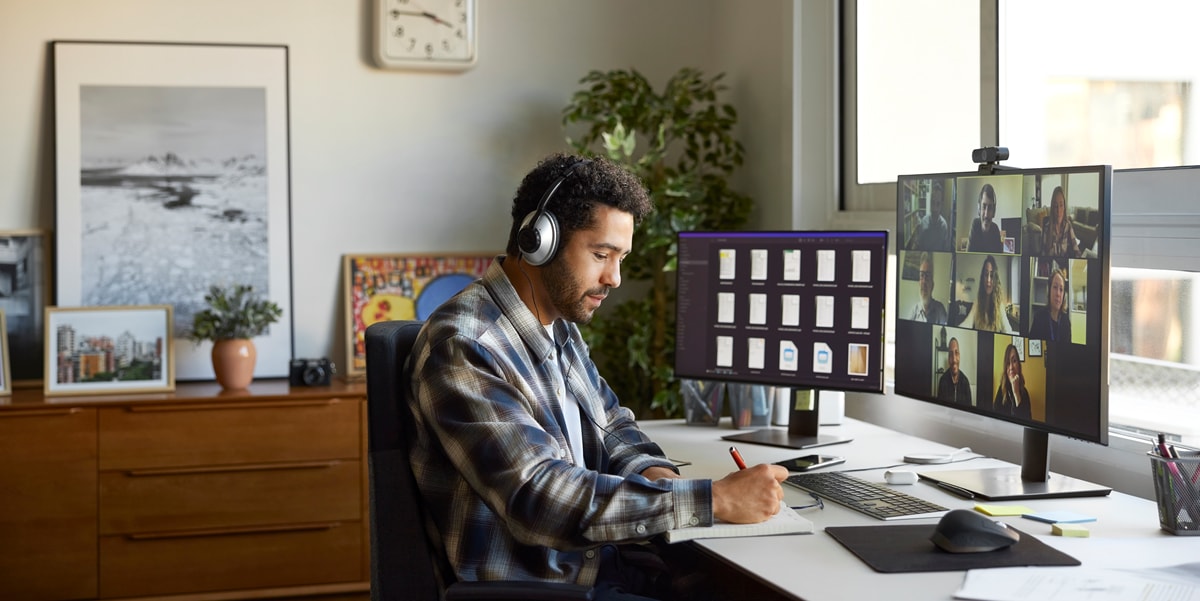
(405, 565)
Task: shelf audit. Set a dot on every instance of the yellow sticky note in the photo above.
(1075, 530)
(988, 509)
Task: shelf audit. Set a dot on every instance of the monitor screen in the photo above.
(797, 309)
(1002, 295)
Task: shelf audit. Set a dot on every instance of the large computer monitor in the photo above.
(1002, 311)
(800, 309)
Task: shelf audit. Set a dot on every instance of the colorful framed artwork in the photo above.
(390, 287)
(5, 383)
(24, 293)
(105, 350)
(172, 175)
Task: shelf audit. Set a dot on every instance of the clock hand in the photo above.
(428, 15)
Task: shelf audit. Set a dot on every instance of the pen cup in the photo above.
(703, 401)
(750, 404)
(1177, 490)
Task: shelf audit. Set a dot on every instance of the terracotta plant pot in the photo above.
(233, 362)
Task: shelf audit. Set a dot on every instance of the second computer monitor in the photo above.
(797, 309)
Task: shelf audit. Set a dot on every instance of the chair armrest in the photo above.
(517, 591)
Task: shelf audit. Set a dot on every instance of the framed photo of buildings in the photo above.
(102, 350)
(24, 293)
(172, 175)
(390, 287)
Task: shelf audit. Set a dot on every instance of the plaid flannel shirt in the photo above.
(505, 498)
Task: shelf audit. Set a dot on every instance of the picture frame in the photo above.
(384, 287)
(25, 291)
(172, 175)
(5, 382)
(109, 350)
(1019, 342)
(1035, 347)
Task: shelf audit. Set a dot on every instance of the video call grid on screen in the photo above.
(785, 308)
(1061, 361)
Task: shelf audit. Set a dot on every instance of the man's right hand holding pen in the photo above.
(749, 495)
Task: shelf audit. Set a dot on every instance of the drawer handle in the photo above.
(232, 531)
(246, 467)
(42, 412)
(226, 406)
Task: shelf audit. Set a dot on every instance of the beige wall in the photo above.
(391, 161)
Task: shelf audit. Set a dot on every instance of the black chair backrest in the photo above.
(402, 557)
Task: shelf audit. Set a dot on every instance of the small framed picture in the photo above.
(5, 383)
(1020, 344)
(1035, 347)
(106, 350)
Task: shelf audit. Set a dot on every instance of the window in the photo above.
(1070, 82)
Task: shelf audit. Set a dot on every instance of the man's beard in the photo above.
(568, 299)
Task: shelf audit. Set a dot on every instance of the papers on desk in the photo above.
(1174, 583)
(787, 521)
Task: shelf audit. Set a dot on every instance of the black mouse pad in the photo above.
(906, 548)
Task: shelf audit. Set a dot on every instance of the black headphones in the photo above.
(538, 236)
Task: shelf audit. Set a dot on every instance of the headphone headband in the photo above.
(538, 236)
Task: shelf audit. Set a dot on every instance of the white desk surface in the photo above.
(816, 567)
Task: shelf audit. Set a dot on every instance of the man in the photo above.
(954, 387)
(530, 467)
(985, 234)
(927, 309)
(933, 233)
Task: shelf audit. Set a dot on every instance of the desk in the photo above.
(816, 567)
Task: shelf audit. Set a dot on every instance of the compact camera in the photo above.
(311, 372)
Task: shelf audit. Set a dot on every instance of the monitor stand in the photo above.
(1033, 480)
(802, 431)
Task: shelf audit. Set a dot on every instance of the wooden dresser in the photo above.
(200, 492)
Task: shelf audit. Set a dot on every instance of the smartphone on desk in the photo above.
(810, 462)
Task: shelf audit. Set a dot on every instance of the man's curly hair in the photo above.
(593, 182)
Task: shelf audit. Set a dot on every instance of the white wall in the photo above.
(391, 161)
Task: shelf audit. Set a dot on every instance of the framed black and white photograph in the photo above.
(102, 350)
(24, 294)
(1035, 347)
(5, 382)
(172, 176)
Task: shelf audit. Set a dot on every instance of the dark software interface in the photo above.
(1002, 303)
(798, 309)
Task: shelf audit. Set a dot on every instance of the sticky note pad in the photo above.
(1060, 517)
(990, 509)
(1074, 530)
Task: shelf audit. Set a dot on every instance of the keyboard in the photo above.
(875, 500)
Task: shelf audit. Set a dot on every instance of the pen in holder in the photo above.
(750, 404)
(703, 401)
(1177, 490)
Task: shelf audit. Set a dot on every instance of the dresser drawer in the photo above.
(149, 500)
(163, 563)
(48, 504)
(226, 433)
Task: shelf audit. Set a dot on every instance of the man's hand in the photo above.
(656, 472)
(749, 496)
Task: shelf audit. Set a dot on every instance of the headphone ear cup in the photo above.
(538, 238)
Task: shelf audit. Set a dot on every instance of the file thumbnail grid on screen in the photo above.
(801, 309)
(1002, 295)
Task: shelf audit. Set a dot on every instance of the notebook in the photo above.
(787, 521)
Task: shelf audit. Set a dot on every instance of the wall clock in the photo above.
(425, 34)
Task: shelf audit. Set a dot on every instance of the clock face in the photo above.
(425, 34)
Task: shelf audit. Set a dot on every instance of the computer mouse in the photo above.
(967, 531)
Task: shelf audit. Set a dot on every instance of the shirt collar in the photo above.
(531, 331)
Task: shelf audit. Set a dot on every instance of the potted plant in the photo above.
(234, 316)
(680, 143)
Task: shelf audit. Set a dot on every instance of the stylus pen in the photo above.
(737, 458)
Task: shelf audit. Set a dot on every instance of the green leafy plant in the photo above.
(679, 142)
(234, 312)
